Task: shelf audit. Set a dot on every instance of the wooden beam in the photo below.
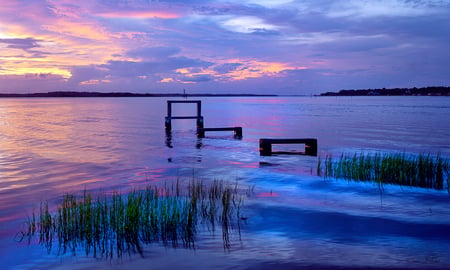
(237, 131)
(265, 145)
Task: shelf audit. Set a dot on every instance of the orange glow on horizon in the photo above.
(56, 51)
(166, 80)
(94, 82)
(246, 69)
(255, 69)
(35, 71)
(183, 71)
(58, 45)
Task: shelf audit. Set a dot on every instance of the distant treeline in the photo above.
(116, 94)
(424, 91)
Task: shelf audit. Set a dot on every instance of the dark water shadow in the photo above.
(342, 227)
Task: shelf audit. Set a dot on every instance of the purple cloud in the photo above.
(197, 78)
(133, 69)
(225, 68)
(159, 53)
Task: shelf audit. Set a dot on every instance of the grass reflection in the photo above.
(113, 225)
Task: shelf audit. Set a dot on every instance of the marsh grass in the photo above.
(424, 171)
(110, 225)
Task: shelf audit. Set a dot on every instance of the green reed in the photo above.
(111, 225)
(424, 171)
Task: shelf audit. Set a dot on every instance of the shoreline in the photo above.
(70, 94)
(423, 91)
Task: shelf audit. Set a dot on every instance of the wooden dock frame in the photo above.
(169, 117)
(237, 131)
(265, 146)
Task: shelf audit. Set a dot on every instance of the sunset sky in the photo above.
(232, 46)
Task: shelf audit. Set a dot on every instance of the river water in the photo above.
(51, 146)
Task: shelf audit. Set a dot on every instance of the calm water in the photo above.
(52, 146)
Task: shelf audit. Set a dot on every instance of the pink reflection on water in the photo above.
(267, 194)
(248, 165)
(150, 175)
(262, 114)
(52, 130)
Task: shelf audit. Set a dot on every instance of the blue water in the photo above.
(295, 219)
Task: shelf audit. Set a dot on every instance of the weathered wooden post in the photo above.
(199, 108)
(169, 108)
(265, 147)
(238, 132)
(168, 122)
(200, 122)
(311, 147)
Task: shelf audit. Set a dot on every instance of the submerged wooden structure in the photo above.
(200, 121)
(170, 117)
(265, 146)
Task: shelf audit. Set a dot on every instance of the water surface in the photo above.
(50, 146)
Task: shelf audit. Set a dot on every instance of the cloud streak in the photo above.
(20, 43)
(282, 46)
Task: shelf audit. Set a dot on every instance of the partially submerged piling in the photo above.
(111, 225)
(424, 171)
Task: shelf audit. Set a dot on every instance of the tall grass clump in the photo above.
(108, 225)
(424, 171)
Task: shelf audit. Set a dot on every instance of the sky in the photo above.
(214, 46)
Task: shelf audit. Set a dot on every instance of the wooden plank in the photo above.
(185, 117)
(184, 101)
(237, 130)
(288, 141)
(265, 145)
(221, 129)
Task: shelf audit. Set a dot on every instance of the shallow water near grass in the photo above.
(293, 218)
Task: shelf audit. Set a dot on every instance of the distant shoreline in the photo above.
(70, 94)
(423, 91)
